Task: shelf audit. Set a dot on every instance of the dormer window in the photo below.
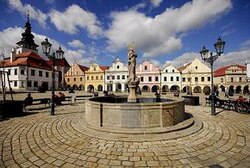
(173, 70)
(145, 68)
(166, 70)
(196, 67)
(117, 67)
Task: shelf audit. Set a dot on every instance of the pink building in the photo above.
(149, 76)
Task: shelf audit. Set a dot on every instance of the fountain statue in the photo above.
(133, 81)
(119, 113)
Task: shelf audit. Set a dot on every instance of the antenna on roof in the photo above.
(28, 15)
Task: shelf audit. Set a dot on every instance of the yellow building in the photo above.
(75, 76)
(94, 78)
(196, 77)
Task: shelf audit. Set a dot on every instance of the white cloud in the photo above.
(160, 34)
(76, 44)
(34, 13)
(183, 59)
(10, 36)
(74, 18)
(245, 45)
(156, 3)
(238, 57)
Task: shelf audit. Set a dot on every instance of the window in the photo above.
(221, 80)
(101, 77)
(117, 67)
(166, 70)
(87, 77)
(145, 68)
(33, 72)
(156, 78)
(183, 79)
(40, 73)
(74, 79)
(35, 84)
(189, 79)
(9, 71)
(15, 83)
(196, 79)
(196, 67)
(208, 78)
(240, 79)
(149, 78)
(113, 77)
(123, 76)
(29, 84)
(165, 78)
(80, 79)
(92, 77)
(172, 70)
(22, 71)
(15, 71)
(202, 79)
(47, 74)
(96, 77)
(232, 79)
(141, 79)
(107, 77)
(172, 78)
(118, 77)
(68, 79)
(177, 78)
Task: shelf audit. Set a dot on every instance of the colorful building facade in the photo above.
(196, 77)
(233, 78)
(75, 77)
(116, 77)
(170, 79)
(149, 77)
(95, 78)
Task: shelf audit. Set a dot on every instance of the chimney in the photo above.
(13, 55)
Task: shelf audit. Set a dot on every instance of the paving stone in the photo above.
(40, 140)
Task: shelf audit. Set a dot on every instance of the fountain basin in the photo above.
(116, 112)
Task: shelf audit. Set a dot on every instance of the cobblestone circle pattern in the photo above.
(41, 140)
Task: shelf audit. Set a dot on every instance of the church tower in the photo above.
(27, 42)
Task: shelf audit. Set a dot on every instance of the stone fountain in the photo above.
(127, 114)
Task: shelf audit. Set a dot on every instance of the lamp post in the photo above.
(210, 58)
(46, 46)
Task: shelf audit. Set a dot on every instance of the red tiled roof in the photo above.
(83, 68)
(29, 54)
(104, 67)
(183, 67)
(221, 71)
(27, 59)
(59, 62)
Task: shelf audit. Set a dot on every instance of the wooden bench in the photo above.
(83, 97)
(67, 99)
(208, 101)
(38, 101)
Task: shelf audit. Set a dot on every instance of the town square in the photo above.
(149, 83)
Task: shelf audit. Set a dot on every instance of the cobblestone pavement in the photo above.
(41, 140)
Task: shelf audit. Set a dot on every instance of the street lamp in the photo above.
(46, 46)
(210, 58)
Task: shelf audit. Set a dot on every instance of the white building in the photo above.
(26, 69)
(116, 77)
(248, 71)
(170, 79)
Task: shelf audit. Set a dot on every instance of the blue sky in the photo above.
(163, 31)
